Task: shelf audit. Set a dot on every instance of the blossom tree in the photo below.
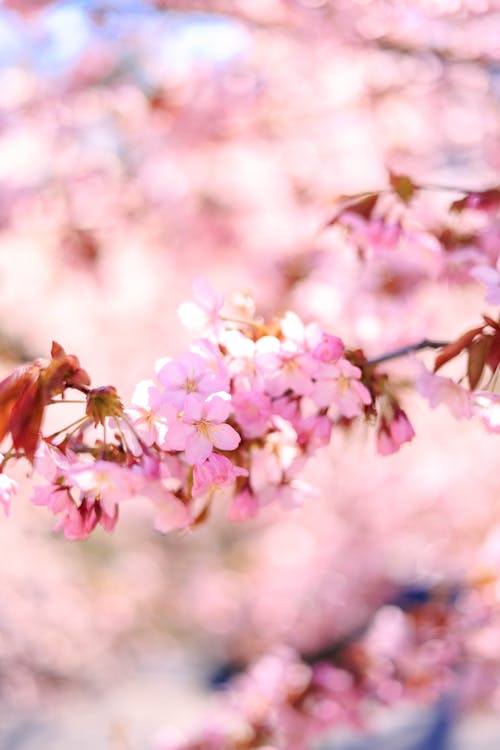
(372, 296)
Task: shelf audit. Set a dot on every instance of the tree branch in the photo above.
(404, 350)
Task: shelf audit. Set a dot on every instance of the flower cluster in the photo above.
(410, 648)
(241, 411)
(415, 244)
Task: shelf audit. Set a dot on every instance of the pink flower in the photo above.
(204, 313)
(329, 349)
(401, 428)
(51, 463)
(438, 390)
(104, 481)
(78, 518)
(214, 361)
(252, 410)
(188, 375)
(289, 371)
(338, 388)
(8, 488)
(55, 497)
(393, 434)
(158, 481)
(77, 522)
(273, 474)
(85, 493)
(214, 473)
(201, 428)
(170, 512)
(244, 505)
(290, 365)
(491, 278)
(287, 408)
(314, 432)
(148, 417)
(375, 234)
(487, 406)
(250, 360)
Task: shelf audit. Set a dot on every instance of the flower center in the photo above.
(204, 428)
(190, 385)
(343, 383)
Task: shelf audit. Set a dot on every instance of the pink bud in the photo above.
(329, 349)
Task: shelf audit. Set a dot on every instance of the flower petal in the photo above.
(177, 435)
(218, 409)
(224, 437)
(198, 448)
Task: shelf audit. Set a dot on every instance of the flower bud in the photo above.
(103, 402)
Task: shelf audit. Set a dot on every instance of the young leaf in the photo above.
(493, 360)
(26, 418)
(482, 200)
(478, 354)
(10, 389)
(453, 349)
(362, 205)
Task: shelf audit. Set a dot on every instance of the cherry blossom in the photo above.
(244, 505)
(204, 313)
(252, 410)
(491, 278)
(8, 488)
(338, 388)
(220, 159)
(215, 472)
(487, 406)
(188, 375)
(440, 390)
(147, 415)
(201, 428)
(393, 433)
(329, 348)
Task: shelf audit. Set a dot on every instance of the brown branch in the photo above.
(404, 350)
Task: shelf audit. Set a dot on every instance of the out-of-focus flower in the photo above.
(393, 433)
(243, 505)
(439, 390)
(487, 406)
(313, 432)
(491, 278)
(8, 488)
(204, 313)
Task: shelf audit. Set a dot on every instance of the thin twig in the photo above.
(404, 350)
(76, 424)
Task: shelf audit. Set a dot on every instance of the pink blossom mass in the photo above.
(250, 374)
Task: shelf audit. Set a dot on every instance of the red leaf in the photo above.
(478, 354)
(362, 205)
(493, 360)
(10, 389)
(481, 200)
(491, 322)
(57, 351)
(63, 371)
(26, 418)
(453, 349)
